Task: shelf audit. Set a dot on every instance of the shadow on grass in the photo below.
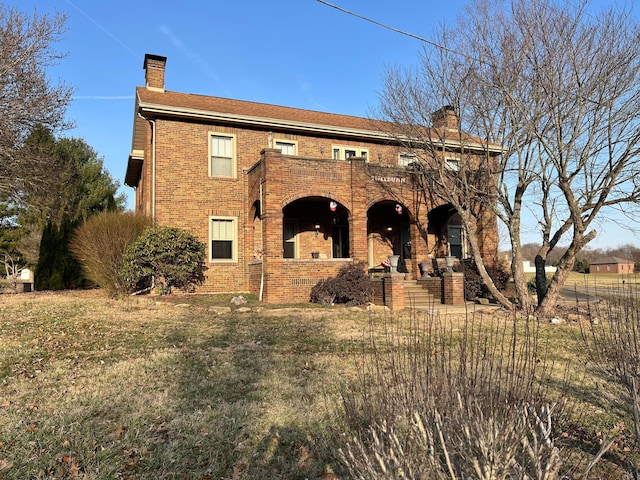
(252, 396)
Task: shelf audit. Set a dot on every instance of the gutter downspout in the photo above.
(153, 166)
(153, 170)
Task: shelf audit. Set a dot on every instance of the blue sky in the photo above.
(298, 53)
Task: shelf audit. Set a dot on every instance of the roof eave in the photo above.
(153, 109)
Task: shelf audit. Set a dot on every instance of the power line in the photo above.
(397, 30)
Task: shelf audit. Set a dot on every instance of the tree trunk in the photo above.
(541, 278)
(517, 271)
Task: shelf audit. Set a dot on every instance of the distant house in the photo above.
(528, 267)
(611, 265)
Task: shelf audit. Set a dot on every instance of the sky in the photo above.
(297, 53)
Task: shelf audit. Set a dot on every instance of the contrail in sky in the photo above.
(116, 39)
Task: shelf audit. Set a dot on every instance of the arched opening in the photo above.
(447, 232)
(388, 233)
(315, 227)
(256, 216)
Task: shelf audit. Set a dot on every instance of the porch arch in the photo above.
(315, 194)
(315, 227)
(446, 233)
(389, 233)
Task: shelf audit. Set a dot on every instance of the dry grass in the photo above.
(149, 388)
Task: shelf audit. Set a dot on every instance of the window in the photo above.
(289, 239)
(456, 241)
(287, 147)
(405, 159)
(452, 164)
(223, 239)
(345, 153)
(222, 154)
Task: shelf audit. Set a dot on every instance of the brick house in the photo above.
(284, 197)
(611, 265)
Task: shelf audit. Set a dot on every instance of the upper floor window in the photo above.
(223, 233)
(345, 153)
(406, 159)
(452, 164)
(222, 154)
(288, 147)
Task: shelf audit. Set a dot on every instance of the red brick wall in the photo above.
(291, 280)
(453, 288)
(186, 197)
(622, 268)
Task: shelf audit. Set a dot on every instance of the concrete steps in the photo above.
(417, 297)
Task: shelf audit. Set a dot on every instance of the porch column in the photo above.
(358, 220)
(272, 227)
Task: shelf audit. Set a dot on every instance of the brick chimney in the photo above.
(154, 66)
(445, 118)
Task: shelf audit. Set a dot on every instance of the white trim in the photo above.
(234, 244)
(450, 161)
(234, 161)
(296, 237)
(276, 123)
(286, 142)
(342, 149)
(412, 156)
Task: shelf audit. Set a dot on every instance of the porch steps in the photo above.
(417, 297)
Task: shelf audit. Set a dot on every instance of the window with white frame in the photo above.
(288, 147)
(224, 234)
(222, 154)
(406, 159)
(452, 164)
(290, 239)
(345, 152)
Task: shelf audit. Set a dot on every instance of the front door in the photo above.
(340, 236)
(456, 246)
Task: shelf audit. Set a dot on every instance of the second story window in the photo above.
(345, 153)
(406, 159)
(287, 147)
(452, 164)
(222, 154)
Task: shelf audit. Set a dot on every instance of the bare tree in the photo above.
(27, 96)
(12, 267)
(557, 87)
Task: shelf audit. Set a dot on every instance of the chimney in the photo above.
(445, 118)
(154, 66)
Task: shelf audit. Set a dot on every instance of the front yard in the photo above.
(169, 388)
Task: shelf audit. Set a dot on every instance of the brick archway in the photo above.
(311, 193)
(389, 232)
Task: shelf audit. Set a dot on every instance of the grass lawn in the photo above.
(155, 388)
(592, 280)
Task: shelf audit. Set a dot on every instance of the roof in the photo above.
(610, 261)
(151, 103)
(193, 103)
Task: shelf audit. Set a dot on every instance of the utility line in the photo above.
(393, 29)
(422, 39)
